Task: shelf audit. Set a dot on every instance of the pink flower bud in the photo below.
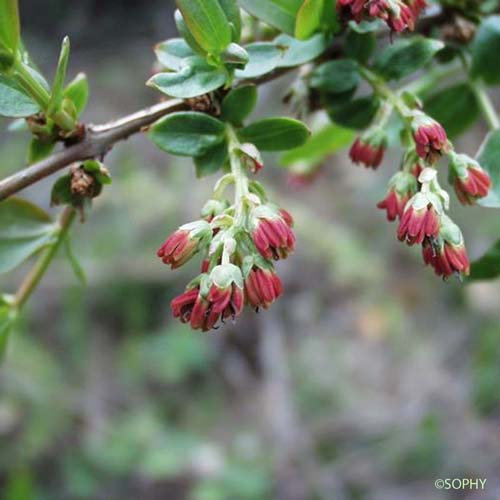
(430, 137)
(262, 287)
(272, 233)
(180, 246)
(470, 181)
(420, 220)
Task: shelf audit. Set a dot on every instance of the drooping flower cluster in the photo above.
(398, 14)
(414, 196)
(239, 243)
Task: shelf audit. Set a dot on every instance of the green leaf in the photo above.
(406, 56)
(8, 318)
(212, 161)
(360, 46)
(233, 15)
(325, 142)
(336, 77)
(275, 134)
(263, 57)
(297, 52)
(24, 230)
(454, 107)
(187, 133)
(39, 150)
(207, 23)
(356, 114)
(77, 92)
(239, 103)
(9, 26)
(14, 102)
(59, 78)
(196, 78)
(485, 50)
(171, 53)
(186, 34)
(488, 266)
(61, 193)
(489, 158)
(278, 13)
(308, 19)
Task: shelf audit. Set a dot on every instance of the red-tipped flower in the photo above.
(447, 254)
(184, 243)
(420, 219)
(262, 287)
(396, 13)
(218, 297)
(369, 150)
(402, 187)
(470, 181)
(272, 233)
(430, 137)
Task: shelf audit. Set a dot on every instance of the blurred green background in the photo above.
(369, 379)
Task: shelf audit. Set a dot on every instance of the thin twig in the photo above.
(99, 139)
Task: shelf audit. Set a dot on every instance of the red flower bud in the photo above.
(402, 187)
(272, 233)
(447, 254)
(218, 297)
(184, 243)
(182, 306)
(262, 287)
(396, 13)
(367, 153)
(470, 181)
(419, 220)
(430, 137)
(394, 203)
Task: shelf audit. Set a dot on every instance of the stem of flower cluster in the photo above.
(37, 272)
(486, 105)
(239, 175)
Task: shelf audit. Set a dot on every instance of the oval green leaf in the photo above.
(263, 57)
(212, 161)
(278, 13)
(336, 77)
(455, 108)
(275, 134)
(488, 266)
(24, 230)
(171, 53)
(207, 23)
(14, 103)
(404, 57)
(355, 114)
(239, 103)
(187, 133)
(196, 78)
(297, 52)
(308, 18)
(485, 50)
